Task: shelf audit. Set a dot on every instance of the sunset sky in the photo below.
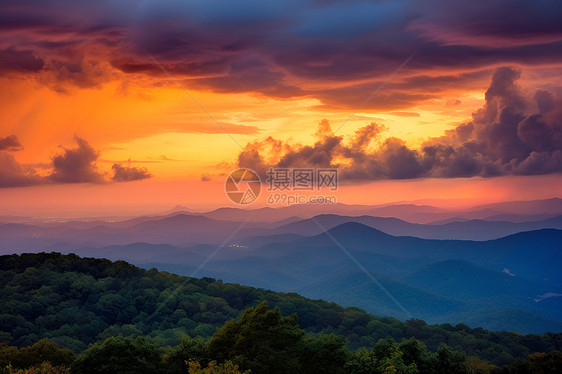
(429, 100)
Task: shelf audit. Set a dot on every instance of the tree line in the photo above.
(261, 341)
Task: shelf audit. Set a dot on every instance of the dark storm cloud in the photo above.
(406, 93)
(128, 173)
(63, 75)
(12, 60)
(249, 76)
(512, 134)
(387, 99)
(77, 165)
(10, 143)
(293, 43)
(514, 20)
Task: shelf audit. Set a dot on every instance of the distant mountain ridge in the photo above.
(436, 280)
(519, 210)
(512, 211)
(459, 271)
(183, 229)
(465, 230)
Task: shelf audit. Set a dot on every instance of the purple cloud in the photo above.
(10, 143)
(129, 173)
(12, 174)
(19, 61)
(73, 165)
(77, 165)
(511, 134)
(215, 44)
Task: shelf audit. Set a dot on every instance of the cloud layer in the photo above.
(76, 165)
(10, 143)
(128, 173)
(330, 50)
(512, 134)
(73, 165)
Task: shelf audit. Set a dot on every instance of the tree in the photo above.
(44, 368)
(385, 357)
(190, 349)
(45, 351)
(394, 364)
(362, 361)
(119, 355)
(545, 363)
(415, 352)
(261, 340)
(226, 368)
(449, 361)
(324, 355)
(478, 366)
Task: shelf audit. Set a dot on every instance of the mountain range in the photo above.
(482, 272)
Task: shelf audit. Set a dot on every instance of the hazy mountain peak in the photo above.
(356, 228)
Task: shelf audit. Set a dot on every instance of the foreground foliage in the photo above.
(261, 341)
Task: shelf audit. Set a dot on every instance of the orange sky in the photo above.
(153, 196)
(93, 79)
(161, 128)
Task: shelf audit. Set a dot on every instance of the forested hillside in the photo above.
(76, 302)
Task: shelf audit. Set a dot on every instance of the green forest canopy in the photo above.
(76, 302)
